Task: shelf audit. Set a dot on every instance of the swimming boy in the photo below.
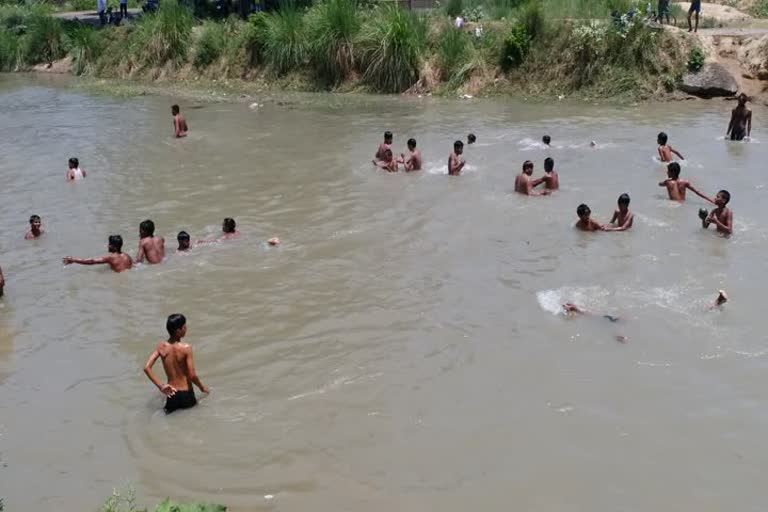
(455, 162)
(722, 216)
(384, 146)
(525, 185)
(546, 140)
(229, 228)
(622, 217)
(184, 241)
(471, 139)
(180, 127)
(665, 150)
(179, 366)
(2, 282)
(551, 178)
(388, 163)
(586, 222)
(695, 7)
(150, 246)
(35, 229)
(413, 163)
(676, 187)
(740, 125)
(116, 259)
(74, 172)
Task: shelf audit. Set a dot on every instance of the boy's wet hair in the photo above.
(662, 138)
(624, 199)
(147, 227)
(175, 109)
(388, 152)
(471, 138)
(583, 210)
(546, 139)
(34, 218)
(458, 144)
(743, 98)
(183, 236)
(411, 143)
(116, 241)
(674, 169)
(549, 164)
(175, 322)
(527, 165)
(726, 195)
(387, 135)
(74, 163)
(229, 225)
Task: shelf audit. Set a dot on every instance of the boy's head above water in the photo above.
(228, 226)
(175, 110)
(35, 222)
(388, 155)
(147, 228)
(673, 170)
(722, 198)
(471, 139)
(623, 201)
(742, 99)
(176, 326)
(458, 147)
(549, 165)
(528, 167)
(388, 137)
(546, 139)
(662, 139)
(183, 239)
(411, 144)
(583, 212)
(115, 243)
(74, 163)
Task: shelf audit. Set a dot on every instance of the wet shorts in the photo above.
(695, 7)
(181, 400)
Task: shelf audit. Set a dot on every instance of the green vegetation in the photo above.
(9, 50)
(284, 39)
(211, 44)
(44, 39)
(760, 9)
(125, 501)
(163, 37)
(84, 44)
(334, 25)
(695, 59)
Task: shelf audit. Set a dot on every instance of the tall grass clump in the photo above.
(453, 50)
(285, 45)
(163, 36)
(85, 45)
(211, 44)
(43, 40)
(454, 8)
(334, 25)
(391, 46)
(531, 16)
(9, 50)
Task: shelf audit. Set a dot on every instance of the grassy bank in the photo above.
(505, 46)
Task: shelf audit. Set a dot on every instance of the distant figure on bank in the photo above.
(740, 126)
(2, 282)
(35, 228)
(550, 178)
(74, 172)
(455, 162)
(101, 9)
(184, 241)
(546, 140)
(384, 146)
(116, 259)
(721, 217)
(695, 8)
(388, 163)
(179, 366)
(150, 246)
(413, 162)
(525, 185)
(622, 217)
(665, 150)
(471, 139)
(676, 187)
(124, 8)
(180, 127)
(586, 222)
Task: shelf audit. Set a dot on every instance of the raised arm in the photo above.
(86, 261)
(695, 191)
(192, 374)
(676, 152)
(165, 389)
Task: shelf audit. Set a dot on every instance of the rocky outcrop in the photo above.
(712, 80)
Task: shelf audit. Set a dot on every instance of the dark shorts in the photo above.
(695, 7)
(738, 134)
(181, 400)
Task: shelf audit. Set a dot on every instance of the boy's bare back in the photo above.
(119, 262)
(551, 180)
(153, 248)
(175, 358)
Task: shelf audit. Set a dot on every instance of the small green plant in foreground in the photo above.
(695, 59)
(125, 501)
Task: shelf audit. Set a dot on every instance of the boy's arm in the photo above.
(627, 224)
(192, 374)
(176, 127)
(676, 152)
(86, 261)
(727, 226)
(730, 123)
(695, 191)
(165, 389)
(664, 183)
(70, 175)
(749, 124)
(140, 254)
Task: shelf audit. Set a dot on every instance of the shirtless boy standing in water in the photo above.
(35, 228)
(388, 163)
(413, 162)
(622, 217)
(455, 162)
(116, 259)
(740, 126)
(665, 150)
(524, 184)
(179, 367)
(586, 222)
(551, 178)
(384, 146)
(676, 187)
(2, 282)
(151, 246)
(180, 127)
(722, 217)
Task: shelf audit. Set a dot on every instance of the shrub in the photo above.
(210, 45)
(760, 9)
(163, 36)
(531, 16)
(391, 45)
(334, 26)
(452, 51)
(515, 47)
(695, 59)
(454, 8)
(84, 46)
(9, 50)
(43, 41)
(473, 14)
(285, 45)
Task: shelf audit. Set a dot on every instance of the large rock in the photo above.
(712, 80)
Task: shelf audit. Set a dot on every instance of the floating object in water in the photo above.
(722, 297)
(254, 106)
(703, 213)
(273, 241)
(593, 144)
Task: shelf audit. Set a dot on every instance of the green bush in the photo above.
(473, 14)
(454, 8)
(391, 45)
(44, 39)
(531, 16)
(453, 47)
(515, 47)
(164, 36)
(760, 9)
(84, 45)
(9, 50)
(211, 44)
(285, 45)
(334, 25)
(695, 59)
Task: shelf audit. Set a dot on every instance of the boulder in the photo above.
(712, 80)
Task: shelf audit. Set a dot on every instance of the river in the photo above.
(400, 350)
